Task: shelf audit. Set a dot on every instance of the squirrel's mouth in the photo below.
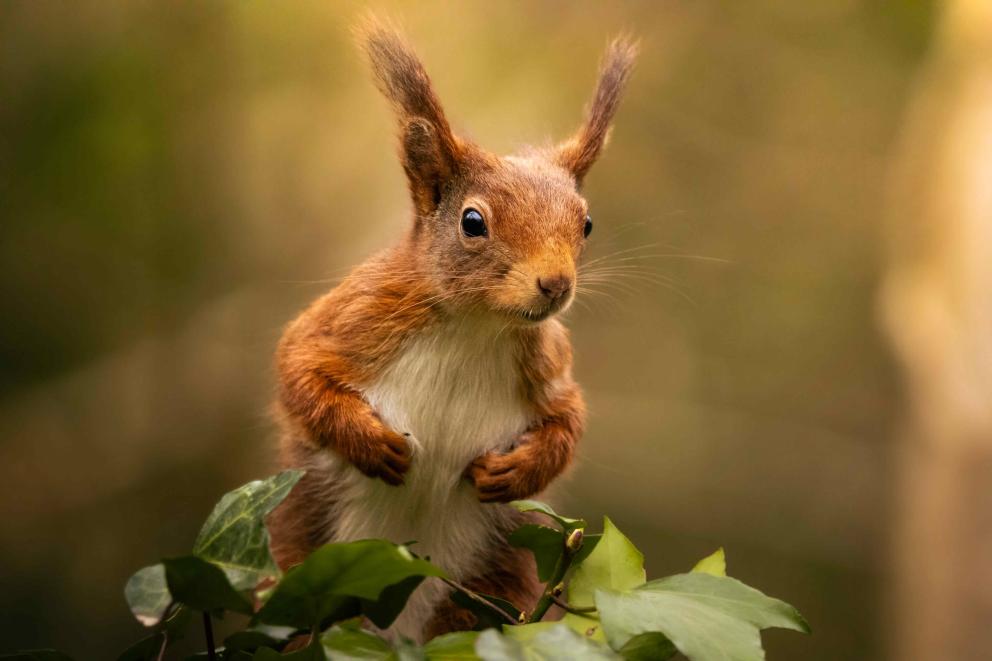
(536, 316)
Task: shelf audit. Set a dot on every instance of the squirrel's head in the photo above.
(501, 234)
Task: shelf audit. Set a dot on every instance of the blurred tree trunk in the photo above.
(937, 309)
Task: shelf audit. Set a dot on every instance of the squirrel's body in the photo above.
(437, 365)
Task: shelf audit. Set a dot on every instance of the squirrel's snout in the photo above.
(554, 287)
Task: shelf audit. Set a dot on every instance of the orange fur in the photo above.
(437, 276)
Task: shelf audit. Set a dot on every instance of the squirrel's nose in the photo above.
(554, 287)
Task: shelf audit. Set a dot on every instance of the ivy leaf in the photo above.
(349, 642)
(202, 586)
(547, 545)
(487, 616)
(405, 650)
(614, 563)
(148, 595)
(714, 564)
(458, 646)
(249, 641)
(172, 629)
(384, 610)
(146, 649)
(704, 616)
(234, 536)
(554, 643)
(648, 647)
(312, 652)
(524, 633)
(567, 524)
(312, 591)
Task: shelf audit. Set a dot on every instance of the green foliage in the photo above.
(148, 594)
(319, 589)
(202, 586)
(36, 655)
(554, 643)
(705, 616)
(319, 606)
(146, 648)
(350, 642)
(459, 646)
(234, 536)
(715, 564)
(545, 543)
(567, 524)
(615, 563)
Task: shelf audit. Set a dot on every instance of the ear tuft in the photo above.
(428, 148)
(579, 152)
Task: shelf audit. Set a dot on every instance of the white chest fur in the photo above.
(456, 391)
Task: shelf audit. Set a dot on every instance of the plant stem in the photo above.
(475, 596)
(573, 609)
(208, 631)
(553, 587)
(165, 643)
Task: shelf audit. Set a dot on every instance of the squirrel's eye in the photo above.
(472, 224)
(587, 228)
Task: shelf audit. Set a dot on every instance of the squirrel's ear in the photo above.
(429, 151)
(579, 152)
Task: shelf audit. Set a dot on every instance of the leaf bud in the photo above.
(574, 541)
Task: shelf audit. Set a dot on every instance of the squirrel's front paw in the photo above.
(500, 478)
(387, 456)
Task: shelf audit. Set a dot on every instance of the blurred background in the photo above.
(799, 370)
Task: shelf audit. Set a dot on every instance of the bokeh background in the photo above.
(777, 376)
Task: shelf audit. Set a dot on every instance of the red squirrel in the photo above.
(434, 384)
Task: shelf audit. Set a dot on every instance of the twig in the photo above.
(475, 596)
(572, 609)
(165, 643)
(208, 631)
(555, 586)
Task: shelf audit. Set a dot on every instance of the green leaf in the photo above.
(524, 633)
(202, 586)
(350, 643)
(614, 563)
(589, 543)
(554, 643)
(648, 647)
(704, 616)
(536, 506)
(491, 646)
(234, 536)
(714, 564)
(405, 650)
(146, 649)
(458, 646)
(547, 545)
(384, 610)
(312, 591)
(312, 652)
(148, 594)
(487, 616)
(177, 621)
(249, 641)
